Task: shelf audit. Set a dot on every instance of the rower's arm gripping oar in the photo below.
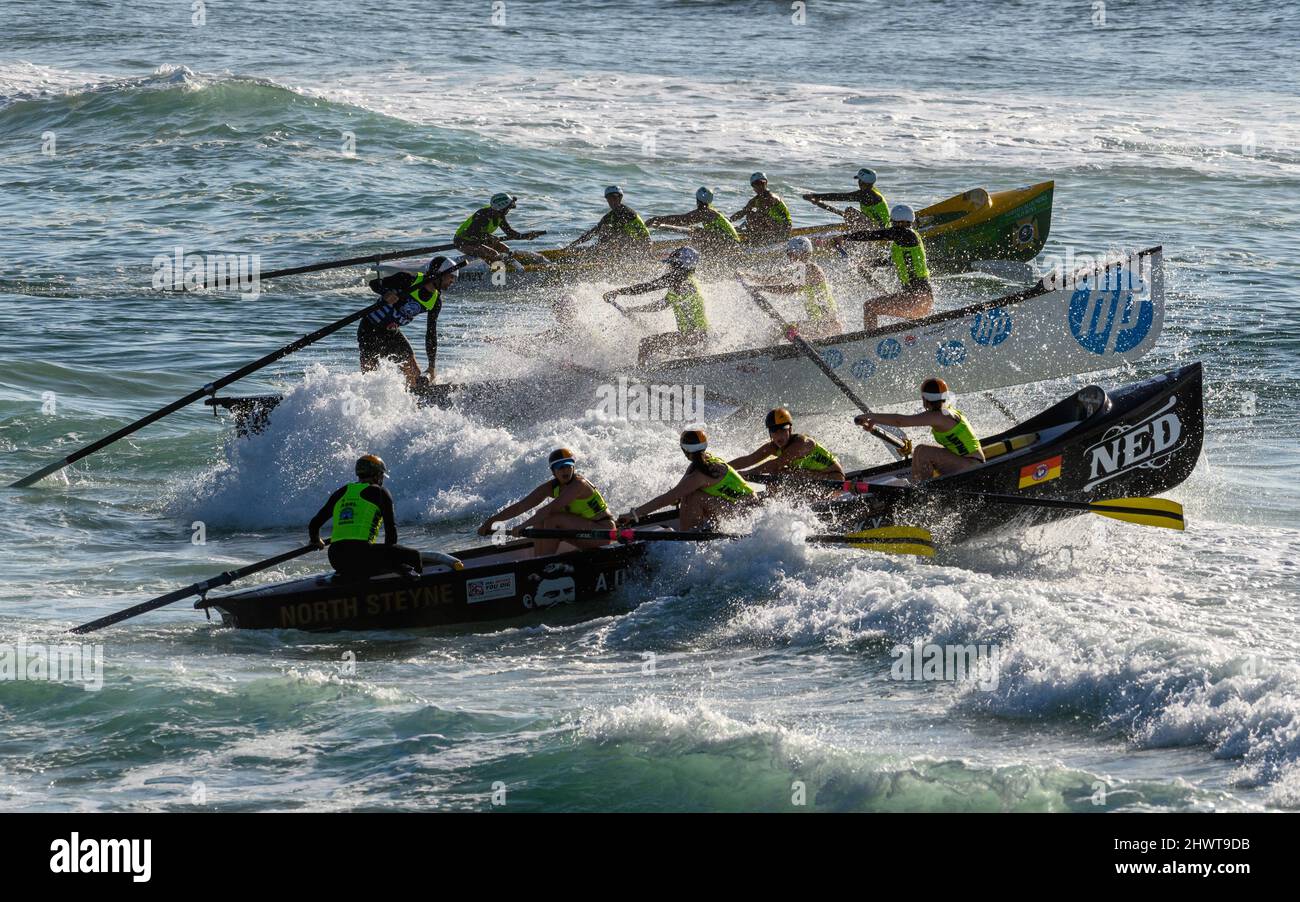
(209, 389)
(901, 447)
(199, 588)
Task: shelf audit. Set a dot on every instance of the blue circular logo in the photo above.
(991, 327)
(889, 349)
(833, 357)
(864, 369)
(950, 353)
(1113, 320)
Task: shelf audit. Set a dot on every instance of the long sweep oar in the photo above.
(1142, 511)
(199, 588)
(209, 389)
(900, 447)
(891, 539)
(355, 261)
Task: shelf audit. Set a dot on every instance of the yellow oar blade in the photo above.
(894, 540)
(1143, 511)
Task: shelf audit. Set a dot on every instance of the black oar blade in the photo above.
(888, 539)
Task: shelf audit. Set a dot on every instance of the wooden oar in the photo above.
(355, 261)
(901, 447)
(890, 539)
(199, 588)
(209, 389)
(1143, 511)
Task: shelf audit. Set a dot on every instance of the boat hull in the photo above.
(1103, 318)
(498, 583)
(1145, 442)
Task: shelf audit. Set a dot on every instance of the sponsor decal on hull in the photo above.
(1149, 443)
(486, 588)
(1038, 473)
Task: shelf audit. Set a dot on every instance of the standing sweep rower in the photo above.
(709, 488)
(684, 296)
(766, 216)
(907, 254)
(571, 502)
(790, 453)
(356, 510)
(958, 448)
(406, 296)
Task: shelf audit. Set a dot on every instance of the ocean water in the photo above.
(1156, 668)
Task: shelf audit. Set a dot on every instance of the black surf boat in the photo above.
(1094, 446)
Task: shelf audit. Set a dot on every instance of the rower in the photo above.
(571, 502)
(766, 216)
(710, 488)
(620, 231)
(794, 454)
(707, 226)
(405, 297)
(958, 449)
(356, 510)
(684, 296)
(476, 235)
(872, 211)
(810, 282)
(907, 254)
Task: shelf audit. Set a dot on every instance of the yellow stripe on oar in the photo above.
(888, 539)
(1144, 511)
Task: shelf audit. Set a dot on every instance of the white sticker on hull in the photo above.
(486, 588)
(1149, 443)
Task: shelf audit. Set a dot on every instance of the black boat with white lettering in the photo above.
(1078, 456)
(496, 582)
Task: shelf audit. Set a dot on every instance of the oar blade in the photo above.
(1143, 511)
(887, 539)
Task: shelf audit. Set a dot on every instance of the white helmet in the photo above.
(683, 258)
(758, 177)
(867, 175)
(704, 196)
(798, 246)
(501, 202)
(902, 213)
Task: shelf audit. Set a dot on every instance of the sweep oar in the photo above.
(199, 588)
(890, 539)
(901, 447)
(209, 389)
(355, 261)
(1143, 511)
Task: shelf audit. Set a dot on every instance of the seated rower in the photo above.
(823, 317)
(356, 510)
(907, 254)
(872, 211)
(571, 503)
(476, 235)
(790, 453)
(960, 448)
(620, 233)
(683, 295)
(709, 229)
(406, 296)
(710, 488)
(766, 216)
